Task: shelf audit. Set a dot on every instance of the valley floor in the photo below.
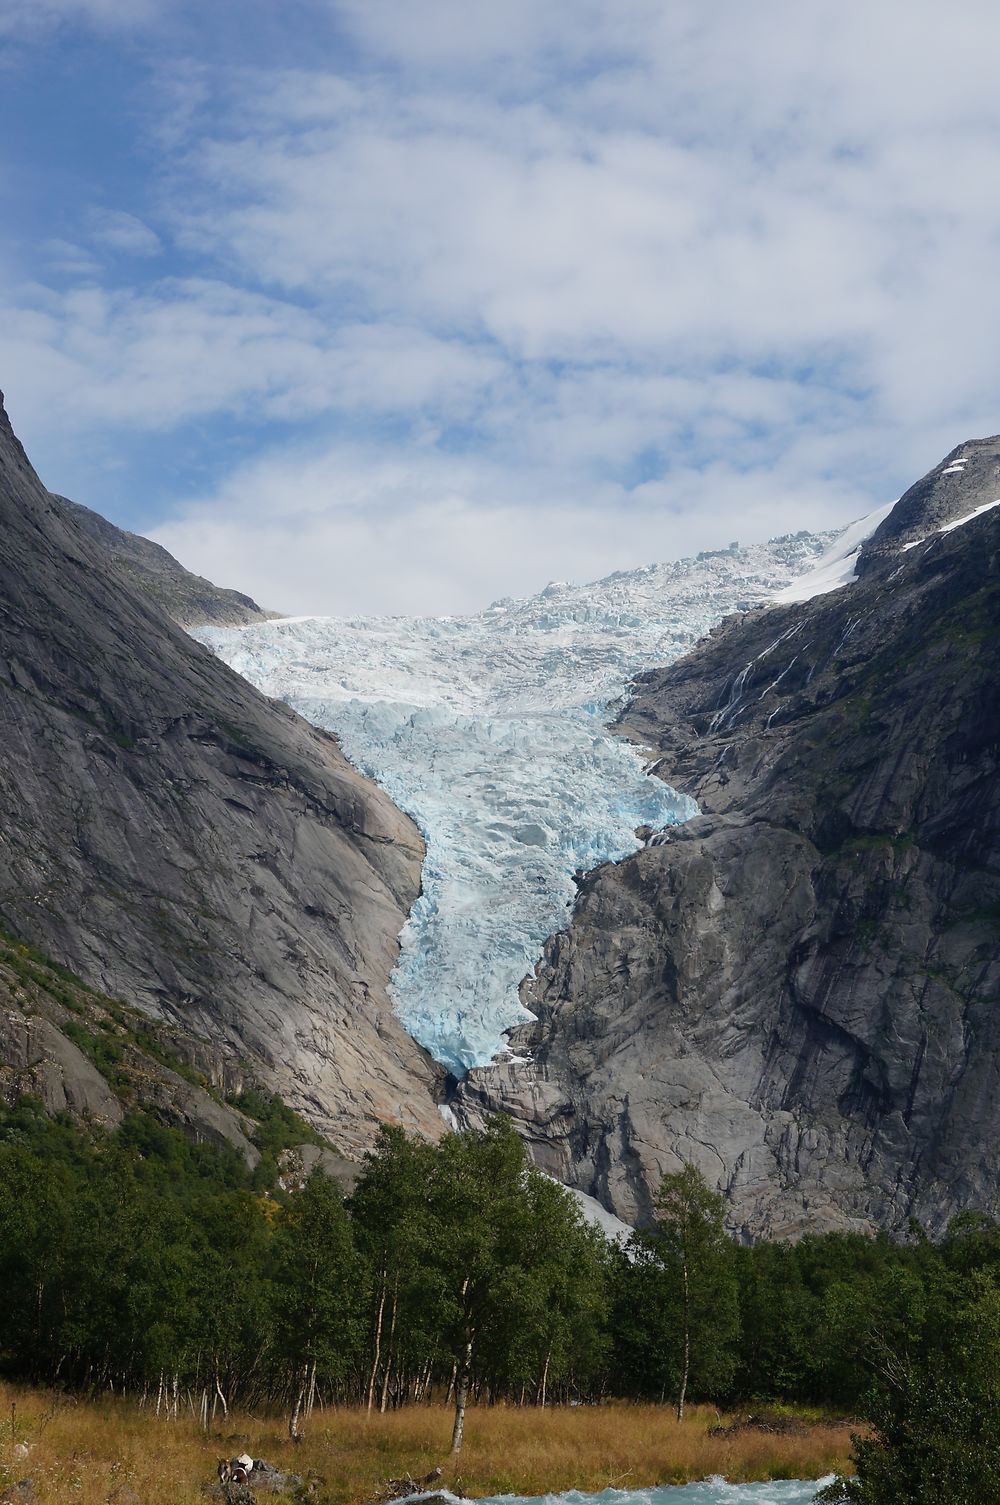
(115, 1453)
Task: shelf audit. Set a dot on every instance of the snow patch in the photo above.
(959, 522)
(598, 1215)
(838, 566)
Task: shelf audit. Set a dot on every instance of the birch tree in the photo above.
(690, 1242)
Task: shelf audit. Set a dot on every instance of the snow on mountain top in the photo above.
(490, 730)
(838, 566)
(958, 522)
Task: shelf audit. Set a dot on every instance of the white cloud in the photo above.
(450, 34)
(66, 259)
(595, 275)
(190, 348)
(348, 529)
(124, 232)
(773, 214)
(28, 17)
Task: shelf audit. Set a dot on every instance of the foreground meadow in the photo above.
(112, 1452)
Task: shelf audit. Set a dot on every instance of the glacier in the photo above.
(837, 566)
(490, 730)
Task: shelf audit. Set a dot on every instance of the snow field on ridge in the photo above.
(490, 731)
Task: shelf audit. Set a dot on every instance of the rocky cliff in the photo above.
(798, 991)
(184, 843)
(155, 575)
(106, 1066)
(91, 1057)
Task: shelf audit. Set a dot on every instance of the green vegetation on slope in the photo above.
(151, 1261)
(140, 1258)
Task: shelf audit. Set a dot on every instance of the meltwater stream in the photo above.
(490, 730)
(705, 1492)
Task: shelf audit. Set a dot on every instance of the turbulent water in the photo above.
(705, 1492)
(490, 731)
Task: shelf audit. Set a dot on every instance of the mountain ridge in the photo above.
(180, 841)
(793, 990)
(156, 575)
(490, 730)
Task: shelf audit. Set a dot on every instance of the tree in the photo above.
(478, 1206)
(548, 1328)
(935, 1418)
(390, 1207)
(690, 1242)
(779, 1316)
(316, 1286)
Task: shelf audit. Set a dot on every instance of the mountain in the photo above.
(490, 729)
(157, 576)
(797, 990)
(91, 1057)
(183, 843)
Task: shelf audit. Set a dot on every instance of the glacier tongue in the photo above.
(490, 731)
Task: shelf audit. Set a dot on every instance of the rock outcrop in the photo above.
(157, 576)
(79, 1053)
(182, 842)
(798, 991)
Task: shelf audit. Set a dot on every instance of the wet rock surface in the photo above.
(182, 842)
(78, 1052)
(798, 990)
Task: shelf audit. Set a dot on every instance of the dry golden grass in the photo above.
(113, 1453)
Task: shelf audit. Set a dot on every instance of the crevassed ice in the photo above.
(490, 731)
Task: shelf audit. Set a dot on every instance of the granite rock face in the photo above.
(798, 991)
(965, 480)
(157, 576)
(77, 1052)
(184, 843)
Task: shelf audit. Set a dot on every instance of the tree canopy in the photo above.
(459, 1272)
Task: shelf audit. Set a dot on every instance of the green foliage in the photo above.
(104, 1026)
(129, 1256)
(137, 1254)
(680, 1302)
(105, 1052)
(776, 1351)
(936, 1415)
(319, 1285)
(278, 1127)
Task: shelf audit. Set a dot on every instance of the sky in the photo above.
(402, 306)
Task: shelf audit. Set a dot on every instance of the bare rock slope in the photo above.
(799, 990)
(157, 576)
(182, 842)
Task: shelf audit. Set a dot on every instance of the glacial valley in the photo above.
(490, 730)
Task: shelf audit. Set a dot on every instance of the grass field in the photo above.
(114, 1453)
